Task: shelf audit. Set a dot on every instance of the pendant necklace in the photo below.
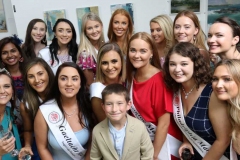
(187, 94)
(69, 115)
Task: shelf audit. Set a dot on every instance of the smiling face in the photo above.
(157, 33)
(184, 29)
(111, 66)
(120, 25)
(38, 31)
(220, 38)
(6, 90)
(69, 82)
(223, 84)
(38, 78)
(63, 33)
(93, 30)
(116, 107)
(10, 55)
(139, 53)
(180, 68)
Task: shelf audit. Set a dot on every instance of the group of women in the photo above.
(47, 90)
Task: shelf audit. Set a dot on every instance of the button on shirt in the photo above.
(117, 137)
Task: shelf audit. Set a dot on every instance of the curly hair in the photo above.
(201, 74)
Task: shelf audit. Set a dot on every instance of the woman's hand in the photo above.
(6, 145)
(26, 149)
(183, 146)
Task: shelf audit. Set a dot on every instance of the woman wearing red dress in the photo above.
(152, 101)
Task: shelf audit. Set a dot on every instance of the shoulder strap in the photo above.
(198, 143)
(62, 130)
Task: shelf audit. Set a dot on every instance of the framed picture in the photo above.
(127, 6)
(180, 5)
(3, 24)
(82, 11)
(50, 18)
(220, 8)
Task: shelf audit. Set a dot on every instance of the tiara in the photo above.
(4, 70)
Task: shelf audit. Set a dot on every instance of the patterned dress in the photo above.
(198, 120)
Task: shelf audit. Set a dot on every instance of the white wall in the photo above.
(144, 10)
(11, 27)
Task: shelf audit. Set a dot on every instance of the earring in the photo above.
(21, 59)
(44, 41)
(194, 38)
(12, 98)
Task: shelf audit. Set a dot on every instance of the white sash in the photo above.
(62, 131)
(233, 154)
(166, 150)
(198, 143)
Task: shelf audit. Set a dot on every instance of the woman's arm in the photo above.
(219, 118)
(185, 144)
(161, 133)
(27, 130)
(97, 108)
(89, 76)
(41, 133)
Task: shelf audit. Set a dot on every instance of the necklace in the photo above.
(69, 115)
(187, 94)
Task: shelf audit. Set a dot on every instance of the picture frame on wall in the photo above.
(180, 5)
(50, 18)
(3, 22)
(82, 11)
(127, 6)
(220, 8)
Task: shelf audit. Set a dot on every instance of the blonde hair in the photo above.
(111, 35)
(85, 44)
(100, 77)
(166, 24)
(233, 66)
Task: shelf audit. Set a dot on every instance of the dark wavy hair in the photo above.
(82, 97)
(15, 42)
(233, 25)
(72, 45)
(29, 44)
(201, 74)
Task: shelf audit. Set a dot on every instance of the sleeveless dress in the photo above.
(56, 150)
(198, 120)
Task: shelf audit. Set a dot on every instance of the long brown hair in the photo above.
(111, 35)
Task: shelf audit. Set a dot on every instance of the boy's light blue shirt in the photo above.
(117, 137)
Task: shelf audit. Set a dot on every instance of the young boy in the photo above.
(119, 136)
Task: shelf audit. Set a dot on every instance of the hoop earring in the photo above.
(44, 41)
